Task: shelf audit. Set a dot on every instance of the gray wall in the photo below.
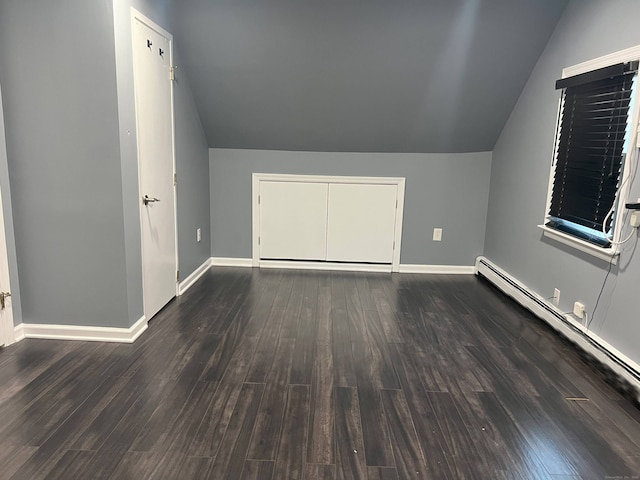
(71, 161)
(360, 76)
(449, 191)
(5, 188)
(519, 181)
(192, 167)
(58, 79)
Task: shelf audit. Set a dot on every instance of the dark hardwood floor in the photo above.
(271, 374)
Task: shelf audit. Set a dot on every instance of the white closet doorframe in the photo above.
(255, 213)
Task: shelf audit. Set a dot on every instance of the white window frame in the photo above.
(609, 254)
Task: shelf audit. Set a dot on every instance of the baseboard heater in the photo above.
(626, 371)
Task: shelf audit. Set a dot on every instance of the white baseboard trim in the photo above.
(18, 332)
(346, 267)
(84, 333)
(231, 262)
(438, 269)
(565, 324)
(185, 284)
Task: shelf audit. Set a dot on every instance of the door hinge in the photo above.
(175, 179)
(177, 275)
(258, 199)
(396, 203)
(394, 245)
(258, 240)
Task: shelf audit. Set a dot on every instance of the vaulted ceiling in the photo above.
(360, 75)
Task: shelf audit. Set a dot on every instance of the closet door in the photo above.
(361, 223)
(293, 220)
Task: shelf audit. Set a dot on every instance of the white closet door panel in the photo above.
(293, 220)
(361, 223)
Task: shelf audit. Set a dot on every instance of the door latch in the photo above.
(3, 297)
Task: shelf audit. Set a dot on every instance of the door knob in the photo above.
(147, 200)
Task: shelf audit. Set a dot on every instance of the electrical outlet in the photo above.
(578, 309)
(556, 297)
(437, 234)
(198, 235)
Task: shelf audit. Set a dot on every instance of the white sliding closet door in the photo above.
(361, 223)
(293, 220)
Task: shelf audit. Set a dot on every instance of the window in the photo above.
(591, 150)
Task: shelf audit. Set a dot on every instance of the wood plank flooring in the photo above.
(283, 374)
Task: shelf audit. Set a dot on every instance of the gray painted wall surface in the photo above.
(360, 76)
(72, 161)
(519, 182)
(448, 191)
(192, 167)
(58, 79)
(5, 188)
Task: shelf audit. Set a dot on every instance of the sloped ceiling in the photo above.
(360, 76)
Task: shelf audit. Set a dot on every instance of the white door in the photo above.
(293, 220)
(361, 223)
(6, 313)
(154, 117)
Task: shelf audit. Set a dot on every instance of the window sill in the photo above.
(606, 254)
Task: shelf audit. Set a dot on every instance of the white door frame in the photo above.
(137, 15)
(256, 178)
(7, 330)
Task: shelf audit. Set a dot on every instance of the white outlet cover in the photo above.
(437, 234)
